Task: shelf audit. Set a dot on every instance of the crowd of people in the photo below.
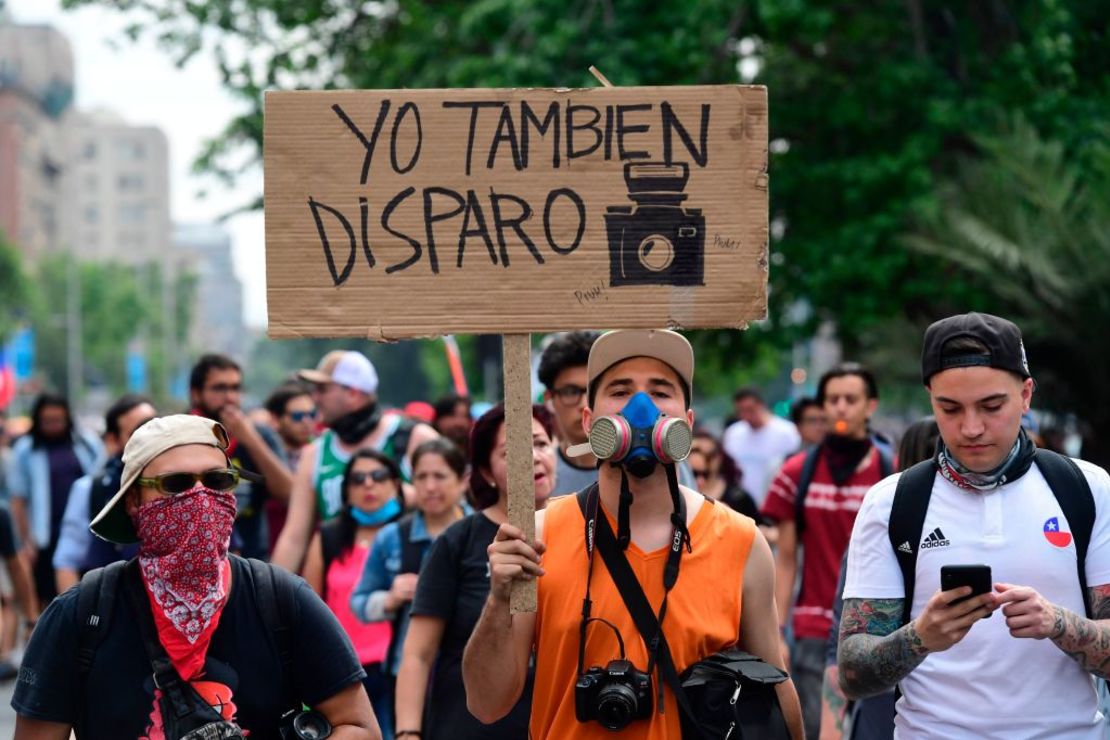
(156, 561)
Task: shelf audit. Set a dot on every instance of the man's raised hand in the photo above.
(512, 559)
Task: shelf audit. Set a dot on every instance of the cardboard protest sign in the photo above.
(407, 213)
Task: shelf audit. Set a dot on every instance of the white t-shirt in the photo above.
(990, 685)
(759, 452)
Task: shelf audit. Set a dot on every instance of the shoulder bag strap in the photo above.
(166, 676)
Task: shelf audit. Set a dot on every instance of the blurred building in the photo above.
(36, 95)
(121, 190)
(217, 310)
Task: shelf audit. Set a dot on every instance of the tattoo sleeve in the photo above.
(834, 698)
(876, 651)
(1086, 641)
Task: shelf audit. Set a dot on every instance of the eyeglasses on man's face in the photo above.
(218, 479)
(299, 416)
(569, 394)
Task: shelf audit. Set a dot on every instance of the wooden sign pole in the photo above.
(517, 359)
(517, 350)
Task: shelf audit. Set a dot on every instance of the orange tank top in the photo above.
(703, 612)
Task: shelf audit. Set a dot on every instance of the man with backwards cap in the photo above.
(188, 603)
(638, 381)
(345, 389)
(1026, 672)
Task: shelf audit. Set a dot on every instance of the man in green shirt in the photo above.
(345, 389)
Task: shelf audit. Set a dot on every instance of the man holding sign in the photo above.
(637, 381)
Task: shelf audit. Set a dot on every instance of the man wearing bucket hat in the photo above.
(638, 420)
(345, 388)
(186, 640)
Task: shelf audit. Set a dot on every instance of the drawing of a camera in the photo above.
(657, 241)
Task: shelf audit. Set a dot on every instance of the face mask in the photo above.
(183, 541)
(639, 436)
(376, 518)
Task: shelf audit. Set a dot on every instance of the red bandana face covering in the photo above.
(183, 548)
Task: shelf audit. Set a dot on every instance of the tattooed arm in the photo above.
(833, 705)
(875, 653)
(1086, 641)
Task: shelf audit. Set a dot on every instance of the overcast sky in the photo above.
(142, 85)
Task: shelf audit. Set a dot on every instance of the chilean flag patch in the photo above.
(1053, 534)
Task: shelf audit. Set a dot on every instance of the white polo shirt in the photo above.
(990, 685)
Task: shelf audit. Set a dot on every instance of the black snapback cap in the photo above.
(1001, 337)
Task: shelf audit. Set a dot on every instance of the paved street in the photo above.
(7, 716)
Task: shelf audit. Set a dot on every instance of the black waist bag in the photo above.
(731, 694)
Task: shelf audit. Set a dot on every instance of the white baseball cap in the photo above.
(347, 368)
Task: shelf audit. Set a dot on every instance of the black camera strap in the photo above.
(599, 535)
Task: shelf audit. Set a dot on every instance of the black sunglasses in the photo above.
(299, 416)
(220, 479)
(377, 476)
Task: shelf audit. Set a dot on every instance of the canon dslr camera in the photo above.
(614, 695)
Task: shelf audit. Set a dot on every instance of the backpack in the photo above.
(809, 469)
(397, 446)
(911, 504)
(96, 598)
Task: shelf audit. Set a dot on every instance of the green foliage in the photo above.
(120, 308)
(873, 106)
(1031, 223)
(15, 289)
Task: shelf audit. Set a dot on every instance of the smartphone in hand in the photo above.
(976, 576)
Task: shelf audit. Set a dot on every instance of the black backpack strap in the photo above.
(907, 519)
(398, 443)
(412, 553)
(1073, 494)
(331, 540)
(809, 469)
(275, 596)
(96, 599)
(886, 464)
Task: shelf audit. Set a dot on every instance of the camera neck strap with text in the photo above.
(599, 535)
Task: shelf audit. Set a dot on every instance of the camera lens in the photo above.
(311, 726)
(616, 706)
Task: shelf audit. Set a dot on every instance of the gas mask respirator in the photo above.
(638, 437)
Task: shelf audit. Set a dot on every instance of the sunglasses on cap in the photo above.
(376, 476)
(220, 479)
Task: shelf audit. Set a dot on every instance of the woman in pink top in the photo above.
(372, 497)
